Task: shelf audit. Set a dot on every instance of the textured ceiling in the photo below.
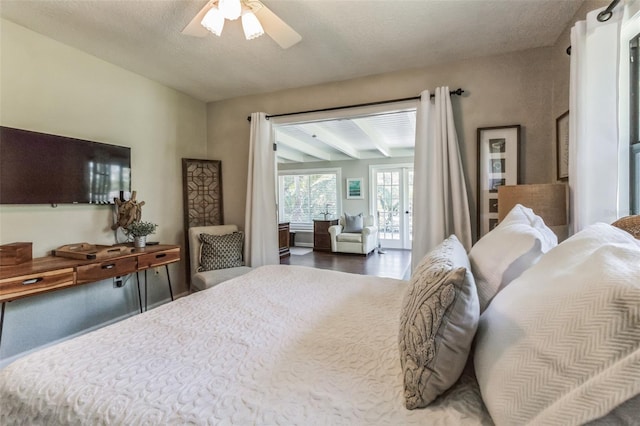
(341, 39)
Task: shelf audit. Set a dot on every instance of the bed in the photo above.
(279, 345)
(295, 345)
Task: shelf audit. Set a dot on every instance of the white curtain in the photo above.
(440, 203)
(261, 223)
(594, 167)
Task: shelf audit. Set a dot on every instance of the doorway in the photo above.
(351, 140)
(391, 203)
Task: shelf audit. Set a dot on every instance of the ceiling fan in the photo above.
(256, 20)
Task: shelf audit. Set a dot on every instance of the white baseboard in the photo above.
(304, 245)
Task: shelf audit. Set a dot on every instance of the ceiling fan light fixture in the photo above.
(213, 21)
(251, 25)
(231, 9)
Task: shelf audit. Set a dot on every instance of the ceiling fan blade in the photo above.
(277, 29)
(194, 28)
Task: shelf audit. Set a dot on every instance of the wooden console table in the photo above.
(51, 273)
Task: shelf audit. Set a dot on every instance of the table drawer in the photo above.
(24, 285)
(151, 260)
(105, 269)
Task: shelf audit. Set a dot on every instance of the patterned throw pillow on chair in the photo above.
(221, 251)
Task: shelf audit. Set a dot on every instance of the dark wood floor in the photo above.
(392, 264)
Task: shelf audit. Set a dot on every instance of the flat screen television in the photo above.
(38, 168)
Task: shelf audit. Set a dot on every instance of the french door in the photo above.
(392, 197)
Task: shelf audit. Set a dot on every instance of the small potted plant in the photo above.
(139, 231)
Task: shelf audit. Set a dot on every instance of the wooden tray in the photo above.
(88, 251)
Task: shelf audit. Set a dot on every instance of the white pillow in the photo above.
(561, 344)
(499, 257)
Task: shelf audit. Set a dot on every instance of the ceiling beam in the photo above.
(289, 154)
(376, 138)
(335, 141)
(302, 146)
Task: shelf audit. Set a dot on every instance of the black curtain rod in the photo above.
(603, 16)
(458, 92)
(606, 14)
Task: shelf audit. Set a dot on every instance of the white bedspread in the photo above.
(279, 345)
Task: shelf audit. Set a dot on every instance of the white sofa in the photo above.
(347, 242)
(208, 279)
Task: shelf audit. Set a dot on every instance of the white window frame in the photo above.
(328, 170)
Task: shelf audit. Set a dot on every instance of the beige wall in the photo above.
(52, 88)
(49, 87)
(500, 90)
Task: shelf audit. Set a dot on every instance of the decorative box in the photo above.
(15, 253)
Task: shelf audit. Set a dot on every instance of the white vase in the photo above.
(140, 242)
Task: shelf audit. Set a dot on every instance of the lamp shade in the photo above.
(547, 200)
(231, 9)
(251, 25)
(213, 21)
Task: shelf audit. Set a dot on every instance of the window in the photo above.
(305, 195)
(634, 166)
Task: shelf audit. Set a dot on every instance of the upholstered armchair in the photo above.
(354, 234)
(203, 275)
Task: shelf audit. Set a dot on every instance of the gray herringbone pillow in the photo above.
(439, 318)
(221, 251)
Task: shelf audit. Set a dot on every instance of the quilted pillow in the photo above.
(353, 223)
(561, 344)
(221, 251)
(500, 256)
(438, 321)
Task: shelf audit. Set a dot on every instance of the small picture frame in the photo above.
(355, 189)
(562, 147)
(498, 164)
(493, 205)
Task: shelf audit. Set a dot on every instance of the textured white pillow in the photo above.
(438, 321)
(561, 344)
(499, 257)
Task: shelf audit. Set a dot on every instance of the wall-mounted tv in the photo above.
(38, 168)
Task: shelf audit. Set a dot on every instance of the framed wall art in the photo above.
(562, 146)
(498, 164)
(354, 189)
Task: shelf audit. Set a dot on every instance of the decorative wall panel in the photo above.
(202, 197)
(202, 192)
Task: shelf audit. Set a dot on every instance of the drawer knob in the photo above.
(109, 266)
(32, 281)
(158, 256)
